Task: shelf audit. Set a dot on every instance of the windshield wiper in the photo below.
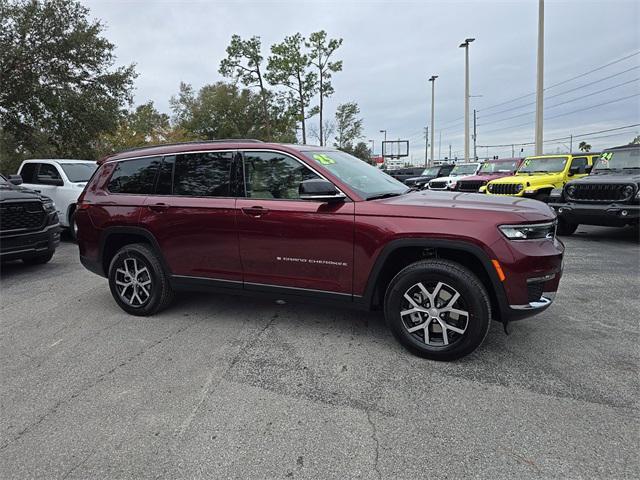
(386, 195)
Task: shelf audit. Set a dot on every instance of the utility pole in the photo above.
(440, 145)
(433, 110)
(475, 153)
(449, 151)
(540, 80)
(513, 150)
(426, 146)
(465, 45)
(571, 144)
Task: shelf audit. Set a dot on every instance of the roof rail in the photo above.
(192, 142)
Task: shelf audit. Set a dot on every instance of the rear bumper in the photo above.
(29, 244)
(607, 215)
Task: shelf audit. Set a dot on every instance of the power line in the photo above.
(562, 82)
(562, 138)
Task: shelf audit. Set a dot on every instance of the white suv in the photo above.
(60, 179)
(460, 171)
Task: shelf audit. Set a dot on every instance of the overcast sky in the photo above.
(390, 49)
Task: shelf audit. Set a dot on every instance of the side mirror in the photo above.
(319, 189)
(56, 182)
(573, 171)
(15, 179)
(588, 169)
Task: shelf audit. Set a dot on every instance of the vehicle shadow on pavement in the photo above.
(628, 234)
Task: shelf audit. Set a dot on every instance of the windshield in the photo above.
(366, 180)
(619, 159)
(499, 167)
(464, 169)
(3, 181)
(544, 165)
(431, 172)
(79, 172)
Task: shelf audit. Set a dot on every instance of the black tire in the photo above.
(72, 230)
(160, 292)
(566, 228)
(39, 259)
(472, 292)
(543, 197)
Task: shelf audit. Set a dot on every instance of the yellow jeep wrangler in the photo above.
(538, 175)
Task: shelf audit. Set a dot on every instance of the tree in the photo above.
(223, 110)
(244, 63)
(60, 88)
(584, 147)
(328, 129)
(362, 151)
(348, 125)
(289, 66)
(320, 53)
(636, 140)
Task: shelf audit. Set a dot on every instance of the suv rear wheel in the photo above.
(138, 282)
(438, 309)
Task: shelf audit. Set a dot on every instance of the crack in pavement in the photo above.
(99, 379)
(374, 437)
(79, 464)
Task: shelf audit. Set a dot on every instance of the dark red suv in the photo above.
(295, 221)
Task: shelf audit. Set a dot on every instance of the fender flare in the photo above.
(143, 232)
(467, 247)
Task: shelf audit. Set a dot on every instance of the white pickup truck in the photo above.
(61, 180)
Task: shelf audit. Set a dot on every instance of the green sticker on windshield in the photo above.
(527, 162)
(324, 159)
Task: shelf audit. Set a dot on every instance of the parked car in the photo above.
(428, 174)
(62, 181)
(29, 227)
(490, 170)
(608, 196)
(309, 222)
(401, 174)
(460, 171)
(538, 175)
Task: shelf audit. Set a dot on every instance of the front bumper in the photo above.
(606, 215)
(29, 244)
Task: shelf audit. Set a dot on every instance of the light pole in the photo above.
(465, 45)
(433, 111)
(540, 79)
(385, 139)
(373, 146)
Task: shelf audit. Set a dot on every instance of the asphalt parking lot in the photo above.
(225, 387)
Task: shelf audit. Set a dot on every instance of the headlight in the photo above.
(627, 191)
(49, 206)
(452, 184)
(571, 189)
(529, 232)
(519, 188)
(490, 187)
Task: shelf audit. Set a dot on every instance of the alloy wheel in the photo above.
(434, 313)
(133, 282)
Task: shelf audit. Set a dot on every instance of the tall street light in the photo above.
(540, 79)
(465, 45)
(385, 139)
(433, 110)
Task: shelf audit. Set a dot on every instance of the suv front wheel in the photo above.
(138, 282)
(438, 309)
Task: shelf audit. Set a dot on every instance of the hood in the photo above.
(532, 180)
(487, 177)
(452, 205)
(617, 177)
(14, 192)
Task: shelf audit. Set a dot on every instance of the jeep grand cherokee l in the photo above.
(296, 221)
(608, 196)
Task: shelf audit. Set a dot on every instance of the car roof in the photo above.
(624, 147)
(58, 160)
(226, 144)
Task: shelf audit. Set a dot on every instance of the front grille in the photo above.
(21, 216)
(594, 192)
(438, 185)
(534, 291)
(505, 188)
(469, 185)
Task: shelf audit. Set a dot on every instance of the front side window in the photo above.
(274, 175)
(28, 172)
(201, 174)
(543, 165)
(79, 172)
(135, 176)
(580, 163)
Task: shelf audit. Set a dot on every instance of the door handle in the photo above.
(158, 207)
(255, 211)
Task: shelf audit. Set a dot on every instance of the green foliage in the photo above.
(288, 66)
(223, 110)
(320, 51)
(60, 89)
(348, 125)
(636, 140)
(244, 63)
(360, 150)
(584, 147)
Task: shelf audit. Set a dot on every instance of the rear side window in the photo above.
(135, 176)
(28, 172)
(202, 174)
